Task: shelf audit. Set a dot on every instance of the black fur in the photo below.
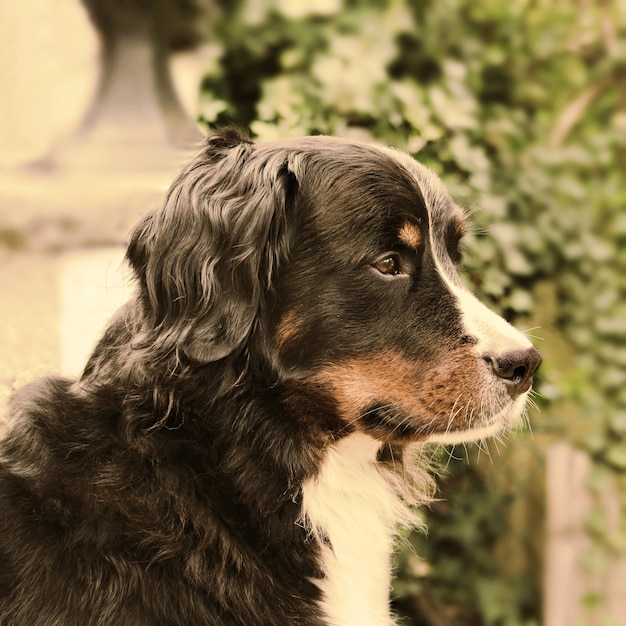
(164, 486)
(154, 491)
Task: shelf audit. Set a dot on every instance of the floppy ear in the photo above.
(205, 259)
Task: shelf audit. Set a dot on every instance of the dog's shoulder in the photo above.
(37, 416)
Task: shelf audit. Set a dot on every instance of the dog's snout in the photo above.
(516, 367)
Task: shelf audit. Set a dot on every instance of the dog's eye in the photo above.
(388, 265)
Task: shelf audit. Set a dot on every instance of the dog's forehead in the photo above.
(357, 187)
(442, 210)
(400, 188)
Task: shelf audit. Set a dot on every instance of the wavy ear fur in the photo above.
(207, 256)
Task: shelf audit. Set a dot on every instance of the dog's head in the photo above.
(336, 264)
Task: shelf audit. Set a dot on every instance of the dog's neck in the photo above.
(353, 509)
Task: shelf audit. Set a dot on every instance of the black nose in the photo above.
(516, 367)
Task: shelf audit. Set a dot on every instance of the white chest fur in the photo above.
(353, 506)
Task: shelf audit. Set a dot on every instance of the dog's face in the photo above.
(341, 260)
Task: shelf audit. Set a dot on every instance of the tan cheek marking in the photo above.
(452, 395)
(288, 328)
(411, 235)
(357, 383)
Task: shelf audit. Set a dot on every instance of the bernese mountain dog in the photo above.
(245, 438)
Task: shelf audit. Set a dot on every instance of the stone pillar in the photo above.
(65, 217)
(136, 121)
(97, 181)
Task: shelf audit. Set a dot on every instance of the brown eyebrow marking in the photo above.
(459, 227)
(410, 234)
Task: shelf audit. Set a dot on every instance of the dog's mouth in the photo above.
(388, 424)
(457, 400)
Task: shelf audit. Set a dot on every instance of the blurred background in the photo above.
(520, 106)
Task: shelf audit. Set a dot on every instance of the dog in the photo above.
(245, 438)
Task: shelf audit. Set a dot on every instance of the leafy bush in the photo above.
(517, 105)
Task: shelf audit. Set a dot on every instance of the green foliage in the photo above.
(518, 106)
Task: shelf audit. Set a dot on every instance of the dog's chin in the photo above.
(386, 425)
(506, 419)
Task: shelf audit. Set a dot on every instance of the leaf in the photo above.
(521, 301)
(616, 455)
